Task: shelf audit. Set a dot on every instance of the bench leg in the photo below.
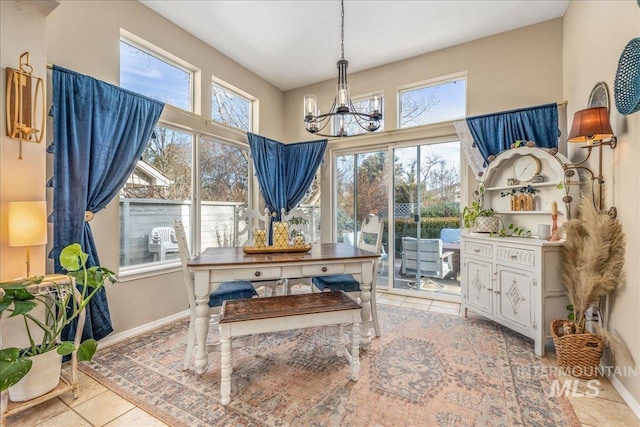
(355, 351)
(340, 340)
(225, 368)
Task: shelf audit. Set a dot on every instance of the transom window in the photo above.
(230, 108)
(432, 104)
(155, 77)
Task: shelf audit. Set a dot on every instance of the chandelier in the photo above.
(342, 108)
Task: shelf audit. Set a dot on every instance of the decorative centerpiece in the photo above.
(281, 241)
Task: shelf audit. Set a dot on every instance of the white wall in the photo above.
(595, 33)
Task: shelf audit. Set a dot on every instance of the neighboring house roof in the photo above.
(146, 175)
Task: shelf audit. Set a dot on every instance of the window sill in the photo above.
(130, 274)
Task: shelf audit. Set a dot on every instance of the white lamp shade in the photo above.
(27, 223)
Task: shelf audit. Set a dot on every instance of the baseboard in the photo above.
(114, 339)
(626, 396)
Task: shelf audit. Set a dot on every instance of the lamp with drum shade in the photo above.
(27, 226)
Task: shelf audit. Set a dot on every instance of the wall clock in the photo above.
(526, 167)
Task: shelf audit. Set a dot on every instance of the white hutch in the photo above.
(516, 281)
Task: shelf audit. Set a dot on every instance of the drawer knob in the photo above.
(513, 256)
(258, 274)
(476, 250)
(324, 269)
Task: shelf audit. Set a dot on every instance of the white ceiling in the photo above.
(295, 43)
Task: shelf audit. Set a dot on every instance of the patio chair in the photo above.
(162, 240)
(433, 262)
(371, 231)
(226, 291)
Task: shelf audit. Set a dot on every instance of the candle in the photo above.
(554, 208)
(260, 238)
(298, 242)
(281, 235)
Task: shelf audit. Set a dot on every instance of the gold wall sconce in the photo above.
(25, 103)
(591, 126)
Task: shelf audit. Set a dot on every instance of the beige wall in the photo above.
(515, 69)
(590, 56)
(22, 30)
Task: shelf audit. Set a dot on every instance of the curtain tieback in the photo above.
(88, 216)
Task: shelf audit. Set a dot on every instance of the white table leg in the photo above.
(365, 301)
(355, 351)
(225, 365)
(201, 290)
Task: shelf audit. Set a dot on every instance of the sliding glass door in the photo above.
(362, 189)
(426, 210)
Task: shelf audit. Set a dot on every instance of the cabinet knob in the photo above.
(513, 256)
(324, 269)
(257, 273)
(476, 250)
(496, 292)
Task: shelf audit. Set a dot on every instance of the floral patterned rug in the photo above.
(427, 369)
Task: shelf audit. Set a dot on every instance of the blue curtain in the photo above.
(100, 132)
(284, 171)
(493, 133)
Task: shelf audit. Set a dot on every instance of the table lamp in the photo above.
(27, 225)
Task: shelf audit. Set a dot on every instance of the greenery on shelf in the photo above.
(61, 307)
(514, 231)
(477, 209)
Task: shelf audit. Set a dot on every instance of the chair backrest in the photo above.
(370, 235)
(161, 235)
(250, 220)
(448, 235)
(428, 250)
(302, 222)
(185, 257)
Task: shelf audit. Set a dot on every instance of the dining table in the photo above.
(217, 265)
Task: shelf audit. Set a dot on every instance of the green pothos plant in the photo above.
(61, 306)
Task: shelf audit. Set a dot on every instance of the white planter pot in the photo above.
(42, 378)
(487, 224)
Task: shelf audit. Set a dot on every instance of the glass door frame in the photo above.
(389, 143)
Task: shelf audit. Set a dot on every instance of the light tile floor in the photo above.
(99, 406)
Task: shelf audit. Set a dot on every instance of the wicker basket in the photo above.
(577, 354)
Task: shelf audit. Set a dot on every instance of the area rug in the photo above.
(427, 369)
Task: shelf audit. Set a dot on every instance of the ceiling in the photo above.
(295, 43)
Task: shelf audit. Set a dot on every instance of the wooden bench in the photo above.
(281, 313)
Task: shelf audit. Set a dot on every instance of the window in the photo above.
(157, 192)
(432, 104)
(167, 182)
(363, 105)
(224, 190)
(230, 108)
(155, 77)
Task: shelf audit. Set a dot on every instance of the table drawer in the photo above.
(478, 249)
(322, 270)
(260, 273)
(516, 255)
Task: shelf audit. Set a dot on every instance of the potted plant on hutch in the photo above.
(593, 261)
(62, 303)
(477, 217)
